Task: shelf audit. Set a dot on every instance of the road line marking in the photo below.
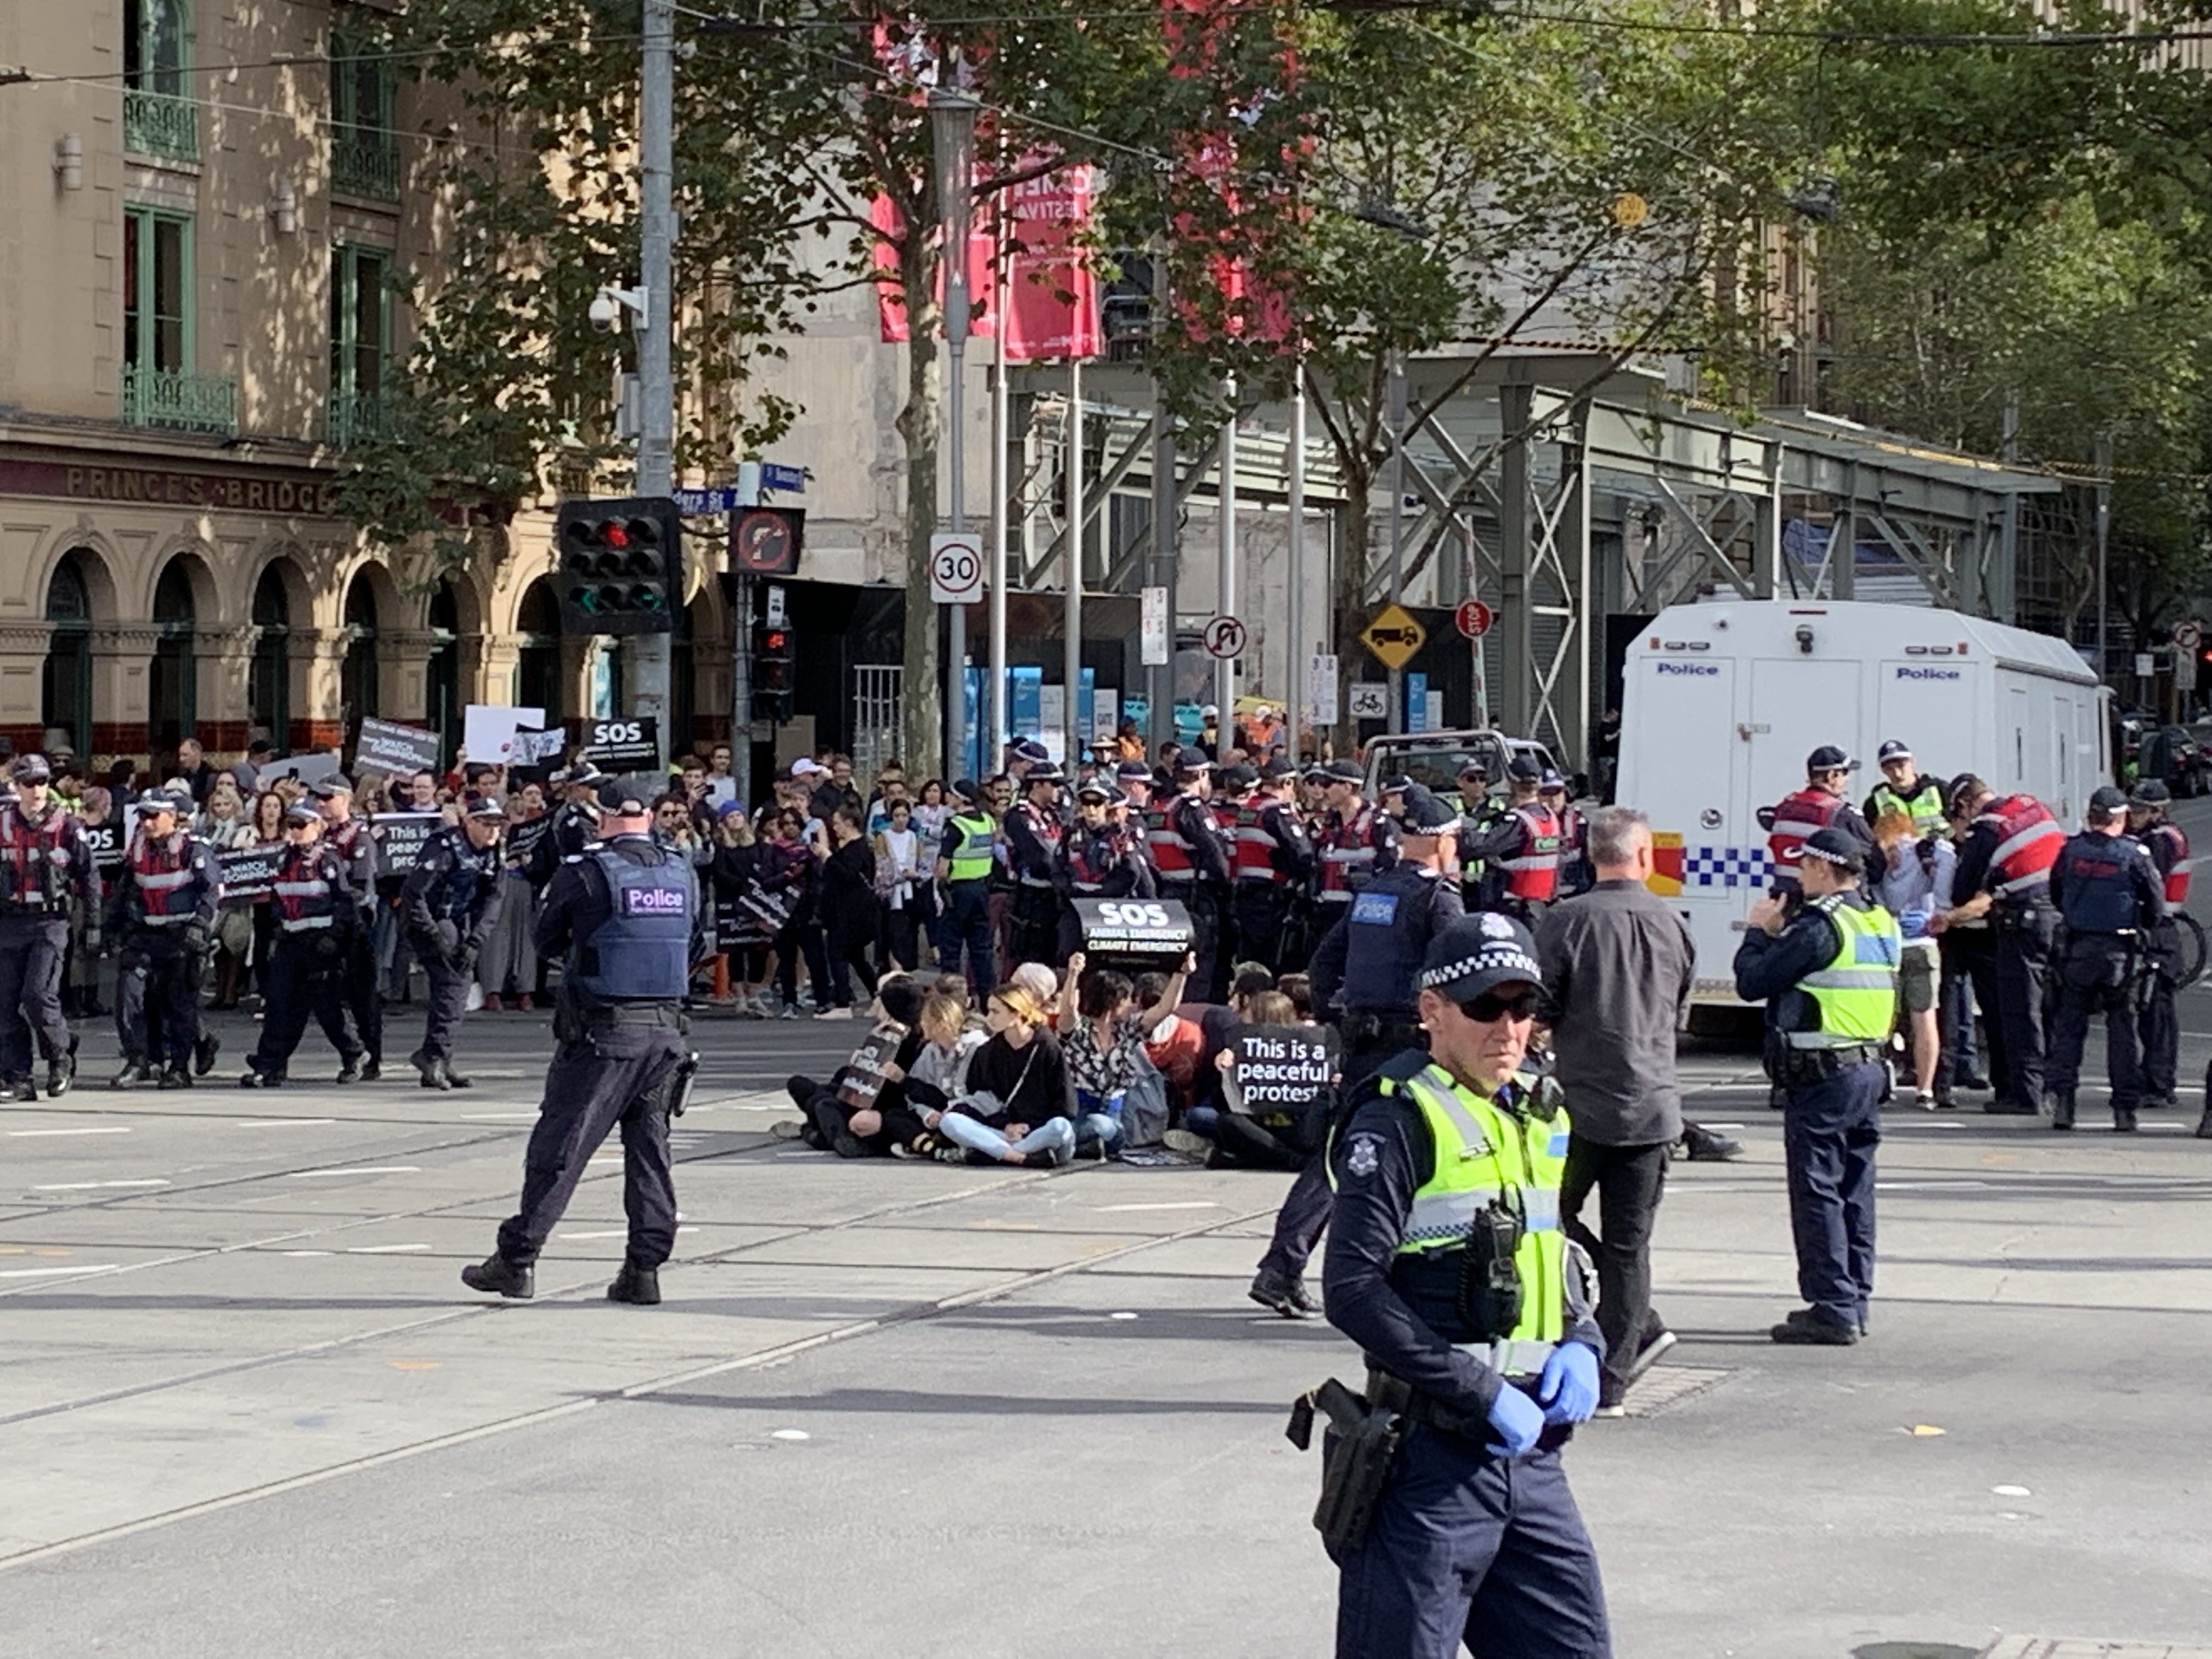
(24, 1134)
(49, 1273)
(91, 1186)
(283, 1122)
(372, 1169)
(493, 1117)
(1194, 1204)
(384, 1249)
(614, 1232)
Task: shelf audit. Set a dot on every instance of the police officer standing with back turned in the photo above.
(449, 905)
(1828, 976)
(46, 872)
(2109, 896)
(1191, 853)
(1448, 1267)
(2004, 873)
(1274, 867)
(625, 916)
(2169, 851)
(162, 914)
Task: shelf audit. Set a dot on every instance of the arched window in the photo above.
(357, 679)
(65, 699)
(269, 680)
(171, 697)
(538, 672)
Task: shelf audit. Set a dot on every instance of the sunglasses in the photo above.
(1489, 1008)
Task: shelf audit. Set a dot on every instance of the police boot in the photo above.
(371, 1069)
(203, 1053)
(639, 1285)
(451, 1079)
(176, 1076)
(25, 1088)
(252, 1079)
(2062, 1111)
(352, 1071)
(2123, 1119)
(496, 1272)
(1281, 1292)
(61, 1072)
(134, 1072)
(432, 1074)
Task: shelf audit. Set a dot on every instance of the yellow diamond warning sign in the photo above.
(1396, 636)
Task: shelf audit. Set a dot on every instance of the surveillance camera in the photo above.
(1805, 639)
(606, 312)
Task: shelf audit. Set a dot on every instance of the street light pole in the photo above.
(952, 131)
(649, 653)
(1397, 416)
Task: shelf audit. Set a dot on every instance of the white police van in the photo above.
(1725, 699)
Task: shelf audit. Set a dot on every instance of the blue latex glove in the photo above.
(1569, 1385)
(1518, 1419)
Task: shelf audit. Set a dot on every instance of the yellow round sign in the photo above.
(1629, 209)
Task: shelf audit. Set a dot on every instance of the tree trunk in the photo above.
(921, 712)
(1358, 473)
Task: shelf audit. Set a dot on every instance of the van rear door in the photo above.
(1683, 767)
(1929, 703)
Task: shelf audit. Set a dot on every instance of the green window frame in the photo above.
(360, 340)
(157, 291)
(364, 136)
(160, 115)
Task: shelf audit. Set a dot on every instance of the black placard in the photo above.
(401, 837)
(1278, 1069)
(108, 845)
(630, 743)
(737, 928)
(249, 871)
(1134, 935)
(522, 838)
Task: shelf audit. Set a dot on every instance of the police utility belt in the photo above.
(1810, 1065)
(612, 1016)
(1369, 1028)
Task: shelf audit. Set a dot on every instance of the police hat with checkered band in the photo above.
(1479, 953)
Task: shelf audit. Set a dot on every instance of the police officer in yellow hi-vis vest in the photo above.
(1829, 981)
(1443, 1502)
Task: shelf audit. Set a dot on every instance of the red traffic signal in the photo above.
(620, 566)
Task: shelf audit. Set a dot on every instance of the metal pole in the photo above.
(741, 694)
(1072, 659)
(2104, 537)
(656, 445)
(1397, 413)
(1224, 587)
(1294, 706)
(953, 133)
(1001, 421)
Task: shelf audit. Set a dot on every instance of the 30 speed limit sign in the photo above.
(956, 568)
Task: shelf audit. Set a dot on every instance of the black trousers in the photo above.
(1036, 925)
(1212, 938)
(304, 980)
(448, 999)
(799, 937)
(847, 936)
(1830, 1130)
(2156, 1020)
(363, 998)
(157, 1005)
(1263, 910)
(1970, 977)
(33, 949)
(1629, 1181)
(2023, 967)
(620, 1075)
(966, 928)
(2096, 977)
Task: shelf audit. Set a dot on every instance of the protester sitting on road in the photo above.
(937, 1074)
(1242, 1138)
(1015, 1109)
(1103, 1038)
(1043, 984)
(862, 1111)
(1174, 1045)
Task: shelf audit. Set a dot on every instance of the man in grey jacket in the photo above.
(1619, 967)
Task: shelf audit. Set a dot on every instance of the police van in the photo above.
(1725, 700)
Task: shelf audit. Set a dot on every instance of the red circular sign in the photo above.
(1474, 618)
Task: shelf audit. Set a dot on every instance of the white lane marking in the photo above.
(1702, 1124)
(49, 1273)
(306, 1253)
(1924, 1186)
(374, 1170)
(789, 1434)
(24, 1134)
(90, 1186)
(614, 1232)
(1195, 1203)
(283, 1122)
(493, 1117)
(384, 1249)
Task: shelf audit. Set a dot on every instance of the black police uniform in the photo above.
(45, 870)
(162, 913)
(1107, 862)
(1033, 836)
(448, 907)
(1204, 892)
(2022, 928)
(625, 916)
(318, 922)
(2109, 895)
(574, 828)
(1468, 1544)
(364, 1001)
(2161, 1027)
(1268, 904)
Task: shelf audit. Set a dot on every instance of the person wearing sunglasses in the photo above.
(1829, 977)
(1447, 1265)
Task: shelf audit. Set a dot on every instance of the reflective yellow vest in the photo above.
(1925, 809)
(1856, 992)
(970, 861)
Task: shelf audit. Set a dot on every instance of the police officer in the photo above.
(1575, 875)
(1447, 1265)
(448, 906)
(1522, 854)
(1367, 971)
(2004, 873)
(348, 836)
(162, 914)
(964, 869)
(316, 920)
(1191, 854)
(1829, 977)
(1033, 832)
(1352, 842)
(2169, 851)
(1902, 789)
(1479, 814)
(2109, 894)
(46, 872)
(1097, 858)
(1274, 867)
(575, 821)
(625, 916)
(1819, 805)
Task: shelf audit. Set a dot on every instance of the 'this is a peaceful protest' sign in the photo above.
(1279, 1068)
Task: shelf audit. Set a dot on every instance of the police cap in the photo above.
(582, 772)
(1276, 770)
(1239, 776)
(1960, 791)
(1396, 784)
(1096, 789)
(1343, 771)
(1028, 749)
(1424, 814)
(1525, 768)
(299, 812)
(2106, 800)
(2151, 792)
(1479, 953)
(625, 801)
(1047, 773)
(330, 787)
(161, 800)
(1133, 772)
(1475, 768)
(1892, 749)
(1834, 847)
(1191, 764)
(486, 808)
(31, 769)
(1829, 759)
(967, 790)
(1552, 780)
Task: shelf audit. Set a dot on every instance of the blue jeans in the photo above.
(1054, 1134)
(1099, 1129)
(1204, 1121)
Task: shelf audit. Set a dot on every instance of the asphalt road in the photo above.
(246, 1409)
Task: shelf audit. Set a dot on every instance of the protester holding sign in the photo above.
(1279, 1079)
(1103, 1041)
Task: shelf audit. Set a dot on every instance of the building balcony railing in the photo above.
(348, 420)
(187, 403)
(366, 166)
(162, 123)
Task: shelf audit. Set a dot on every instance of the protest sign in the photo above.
(310, 768)
(630, 745)
(488, 731)
(401, 836)
(523, 837)
(863, 1079)
(1279, 1069)
(249, 871)
(107, 842)
(399, 750)
(1134, 936)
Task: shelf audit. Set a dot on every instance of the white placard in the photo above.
(1370, 700)
(956, 568)
(1156, 651)
(1105, 713)
(1322, 690)
(488, 731)
(1432, 718)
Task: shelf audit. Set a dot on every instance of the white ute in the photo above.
(1725, 699)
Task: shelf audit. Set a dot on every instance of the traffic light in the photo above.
(772, 686)
(622, 565)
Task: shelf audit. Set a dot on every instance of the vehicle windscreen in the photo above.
(1437, 767)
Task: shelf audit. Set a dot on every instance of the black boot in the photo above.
(641, 1286)
(253, 1079)
(372, 1068)
(134, 1072)
(453, 1078)
(1280, 1293)
(2123, 1119)
(61, 1072)
(432, 1073)
(496, 1272)
(176, 1076)
(351, 1071)
(203, 1053)
(2204, 1124)
(24, 1089)
(2062, 1111)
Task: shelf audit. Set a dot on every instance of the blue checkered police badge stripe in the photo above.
(1726, 867)
(1495, 954)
